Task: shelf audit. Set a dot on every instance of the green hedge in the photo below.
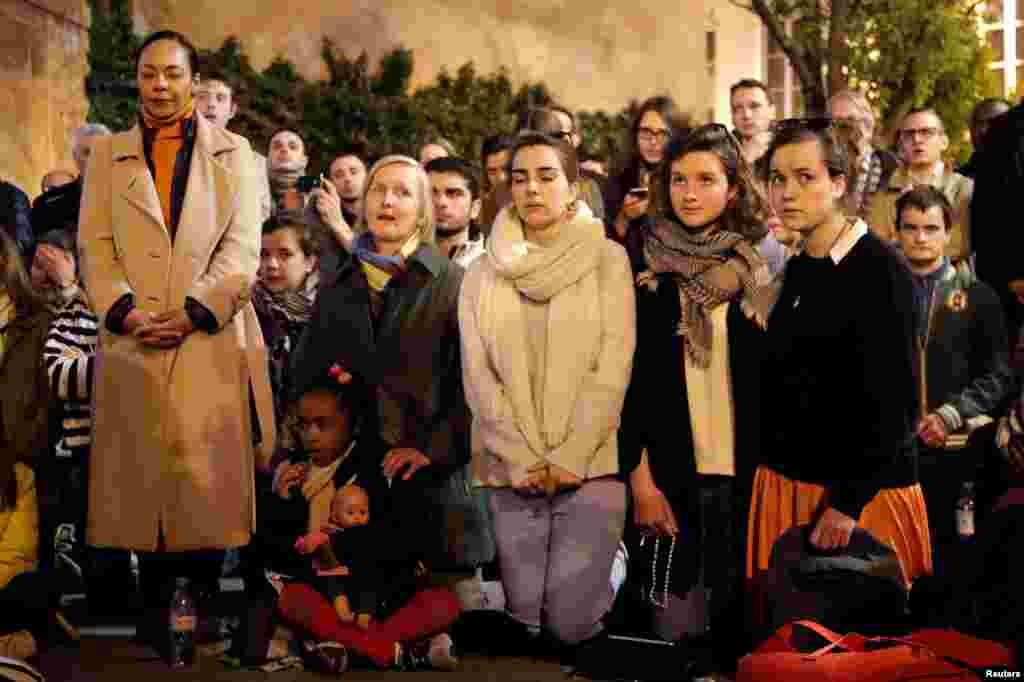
(373, 112)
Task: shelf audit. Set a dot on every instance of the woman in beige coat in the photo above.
(169, 239)
(547, 320)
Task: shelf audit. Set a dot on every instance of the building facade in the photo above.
(43, 65)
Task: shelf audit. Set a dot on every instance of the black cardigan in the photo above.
(840, 388)
(655, 415)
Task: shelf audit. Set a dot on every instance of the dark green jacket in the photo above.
(24, 392)
(413, 354)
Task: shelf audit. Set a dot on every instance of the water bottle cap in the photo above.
(181, 582)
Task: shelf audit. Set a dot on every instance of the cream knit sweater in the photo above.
(604, 333)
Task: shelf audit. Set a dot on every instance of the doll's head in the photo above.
(350, 507)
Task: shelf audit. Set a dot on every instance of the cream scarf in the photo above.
(561, 276)
(318, 489)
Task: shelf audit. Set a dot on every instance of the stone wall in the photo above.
(43, 65)
(592, 54)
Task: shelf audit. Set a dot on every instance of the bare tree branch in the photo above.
(805, 60)
(837, 45)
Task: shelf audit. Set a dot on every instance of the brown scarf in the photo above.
(710, 270)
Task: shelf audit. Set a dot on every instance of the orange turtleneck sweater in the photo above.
(167, 142)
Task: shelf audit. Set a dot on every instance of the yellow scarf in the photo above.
(377, 277)
(318, 489)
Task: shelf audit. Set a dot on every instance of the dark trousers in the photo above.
(724, 505)
(24, 605)
(158, 571)
(943, 472)
(62, 485)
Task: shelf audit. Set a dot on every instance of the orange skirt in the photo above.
(897, 517)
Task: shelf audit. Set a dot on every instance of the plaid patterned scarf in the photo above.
(868, 179)
(709, 270)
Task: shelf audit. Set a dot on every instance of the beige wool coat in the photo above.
(172, 447)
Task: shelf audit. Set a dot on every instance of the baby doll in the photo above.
(350, 509)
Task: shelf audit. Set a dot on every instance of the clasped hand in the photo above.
(932, 431)
(166, 330)
(544, 479)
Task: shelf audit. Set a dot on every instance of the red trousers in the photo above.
(429, 612)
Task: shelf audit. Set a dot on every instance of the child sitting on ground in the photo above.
(336, 549)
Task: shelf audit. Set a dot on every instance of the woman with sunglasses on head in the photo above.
(689, 427)
(840, 398)
(628, 196)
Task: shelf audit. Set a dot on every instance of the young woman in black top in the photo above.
(840, 398)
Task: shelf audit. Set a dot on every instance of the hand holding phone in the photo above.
(635, 203)
(307, 183)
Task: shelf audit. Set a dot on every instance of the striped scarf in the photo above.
(380, 269)
(868, 179)
(709, 270)
(294, 305)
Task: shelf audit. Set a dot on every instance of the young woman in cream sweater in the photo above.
(547, 324)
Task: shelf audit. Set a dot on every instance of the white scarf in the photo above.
(559, 275)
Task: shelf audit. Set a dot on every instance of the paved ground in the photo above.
(122, 659)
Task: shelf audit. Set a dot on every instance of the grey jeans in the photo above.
(556, 555)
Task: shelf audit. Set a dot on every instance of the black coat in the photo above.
(655, 415)
(998, 240)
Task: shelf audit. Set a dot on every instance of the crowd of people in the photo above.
(405, 392)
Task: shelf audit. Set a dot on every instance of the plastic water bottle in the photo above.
(965, 511)
(182, 626)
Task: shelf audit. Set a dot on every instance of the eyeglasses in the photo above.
(923, 133)
(813, 123)
(650, 135)
(850, 123)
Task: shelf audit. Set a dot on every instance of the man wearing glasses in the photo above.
(559, 122)
(853, 116)
(922, 140)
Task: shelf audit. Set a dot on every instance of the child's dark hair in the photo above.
(352, 397)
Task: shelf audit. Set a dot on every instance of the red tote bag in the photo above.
(932, 655)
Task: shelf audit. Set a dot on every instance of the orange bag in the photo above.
(933, 655)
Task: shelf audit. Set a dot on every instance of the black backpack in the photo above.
(857, 589)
